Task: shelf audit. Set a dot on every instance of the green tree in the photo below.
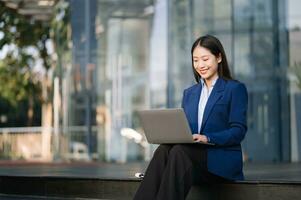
(18, 82)
(20, 85)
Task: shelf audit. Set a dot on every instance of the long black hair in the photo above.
(216, 48)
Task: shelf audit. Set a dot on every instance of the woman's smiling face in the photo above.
(205, 63)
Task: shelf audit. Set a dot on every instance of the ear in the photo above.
(219, 58)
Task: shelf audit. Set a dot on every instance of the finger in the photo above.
(202, 139)
(194, 136)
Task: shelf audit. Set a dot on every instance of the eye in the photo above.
(195, 60)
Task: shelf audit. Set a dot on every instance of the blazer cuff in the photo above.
(208, 138)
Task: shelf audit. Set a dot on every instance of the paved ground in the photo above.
(270, 172)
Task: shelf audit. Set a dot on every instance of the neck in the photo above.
(209, 81)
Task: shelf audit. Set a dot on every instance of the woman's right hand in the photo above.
(200, 138)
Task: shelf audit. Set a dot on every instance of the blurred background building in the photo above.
(111, 58)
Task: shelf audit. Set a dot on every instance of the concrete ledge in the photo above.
(246, 191)
(73, 187)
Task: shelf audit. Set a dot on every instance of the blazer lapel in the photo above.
(215, 95)
(194, 102)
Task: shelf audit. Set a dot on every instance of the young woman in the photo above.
(216, 109)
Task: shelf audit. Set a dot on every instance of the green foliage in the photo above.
(17, 87)
(297, 72)
(59, 26)
(23, 32)
(60, 33)
(17, 80)
(20, 87)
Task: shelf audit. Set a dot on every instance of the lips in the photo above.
(204, 71)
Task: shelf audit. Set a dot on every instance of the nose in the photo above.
(200, 65)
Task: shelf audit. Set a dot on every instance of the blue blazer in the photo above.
(224, 122)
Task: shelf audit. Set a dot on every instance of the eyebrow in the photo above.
(201, 56)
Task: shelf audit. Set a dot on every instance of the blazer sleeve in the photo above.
(183, 98)
(237, 119)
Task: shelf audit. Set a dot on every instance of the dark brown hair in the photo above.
(216, 48)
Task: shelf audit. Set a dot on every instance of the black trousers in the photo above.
(172, 171)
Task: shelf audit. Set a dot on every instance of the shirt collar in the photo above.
(213, 82)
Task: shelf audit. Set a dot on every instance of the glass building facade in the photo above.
(129, 55)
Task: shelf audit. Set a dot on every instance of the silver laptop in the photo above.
(166, 126)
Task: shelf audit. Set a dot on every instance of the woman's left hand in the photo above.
(199, 138)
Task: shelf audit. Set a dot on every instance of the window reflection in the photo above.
(133, 55)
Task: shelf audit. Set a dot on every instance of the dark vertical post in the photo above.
(87, 83)
(170, 84)
(232, 35)
(281, 87)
